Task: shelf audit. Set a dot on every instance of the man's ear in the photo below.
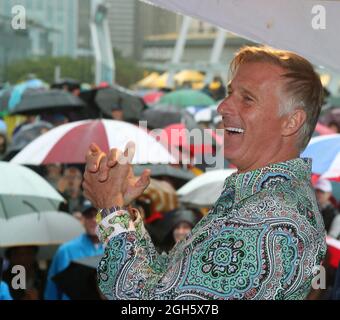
(293, 122)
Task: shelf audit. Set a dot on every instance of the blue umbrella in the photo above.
(20, 88)
(325, 153)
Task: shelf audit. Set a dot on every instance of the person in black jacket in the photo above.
(323, 190)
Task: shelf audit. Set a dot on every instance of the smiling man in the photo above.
(264, 235)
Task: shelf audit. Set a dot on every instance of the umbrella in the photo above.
(152, 97)
(27, 134)
(23, 191)
(47, 101)
(23, 87)
(204, 190)
(69, 143)
(162, 195)
(161, 82)
(47, 228)
(177, 176)
(186, 98)
(161, 116)
(78, 280)
(325, 153)
(5, 95)
(148, 80)
(280, 24)
(188, 76)
(164, 170)
(206, 114)
(131, 104)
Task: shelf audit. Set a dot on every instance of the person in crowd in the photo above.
(56, 119)
(69, 85)
(323, 191)
(3, 144)
(117, 111)
(86, 245)
(4, 291)
(29, 120)
(3, 138)
(264, 235)
(334, 126)
(181, 223)
(53, 174)
(216, 89)
(35, 277)
(70, 188)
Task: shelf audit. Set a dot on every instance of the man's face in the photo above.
(252, 109)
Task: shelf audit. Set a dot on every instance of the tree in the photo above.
(44, 67)
(81, 69)
(127, 70)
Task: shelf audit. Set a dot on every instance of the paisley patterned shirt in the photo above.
(261, 240)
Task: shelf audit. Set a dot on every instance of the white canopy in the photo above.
(289, 24)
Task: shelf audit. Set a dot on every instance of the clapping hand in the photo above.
(109, 179)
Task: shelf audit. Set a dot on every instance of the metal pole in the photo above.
(216, 53)
(179, 48)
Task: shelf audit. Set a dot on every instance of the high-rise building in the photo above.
(53, 26)
(132, 20)
(14, 46)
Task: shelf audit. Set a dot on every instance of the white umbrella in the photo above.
(39, 229)
(204, 190)
(23, 191)
(47, 229)
(206, 114)
(290, 24)
(69, 143)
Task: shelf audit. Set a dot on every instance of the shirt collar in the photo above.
(248, 183)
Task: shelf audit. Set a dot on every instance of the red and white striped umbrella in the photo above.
(69, 143)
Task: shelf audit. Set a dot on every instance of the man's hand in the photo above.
(109, 180)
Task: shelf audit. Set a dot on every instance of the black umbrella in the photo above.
(176, 176)
(78, 280)
(27, 134)
(158, 170)
(48, 101)
(162, 116)
(115, 97)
